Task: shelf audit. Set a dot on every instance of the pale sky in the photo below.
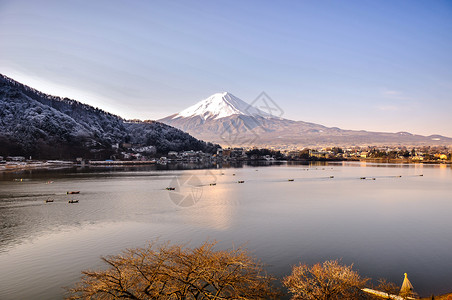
(371, 65)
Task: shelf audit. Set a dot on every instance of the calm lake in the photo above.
(398, 222)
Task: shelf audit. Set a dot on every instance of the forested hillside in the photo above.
(43, 126)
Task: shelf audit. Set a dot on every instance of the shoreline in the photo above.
(35, 165)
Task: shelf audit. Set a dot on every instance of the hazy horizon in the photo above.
(354, 65)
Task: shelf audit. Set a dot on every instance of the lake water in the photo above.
(386, 227)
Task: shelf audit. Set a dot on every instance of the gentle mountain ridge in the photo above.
(45, 126)
(241, 124)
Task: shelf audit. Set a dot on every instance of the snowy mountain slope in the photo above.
(220, 105)
(33, 123)
(225, 119)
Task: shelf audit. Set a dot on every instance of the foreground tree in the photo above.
(329, 280)
(389, 288)
(177, 272)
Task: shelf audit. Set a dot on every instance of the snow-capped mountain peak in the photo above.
(225, 119)
(220, 105)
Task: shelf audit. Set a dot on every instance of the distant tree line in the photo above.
(305, 154)
(259, 153)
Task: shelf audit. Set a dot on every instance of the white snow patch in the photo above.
(221, 105)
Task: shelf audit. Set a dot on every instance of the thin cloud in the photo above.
(388, 108)
(394, 95)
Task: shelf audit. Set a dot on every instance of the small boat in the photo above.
(73, 192)
(331, 176)
(72, 201)
(241, 181)
(212, 184)
(49, 200)
(170, 188)
(290, 179)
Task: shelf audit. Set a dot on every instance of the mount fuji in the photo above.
(221, 105)
(225, 119)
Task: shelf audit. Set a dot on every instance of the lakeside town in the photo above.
(128, 154)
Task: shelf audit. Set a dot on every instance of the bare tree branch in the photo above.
(178, 272)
